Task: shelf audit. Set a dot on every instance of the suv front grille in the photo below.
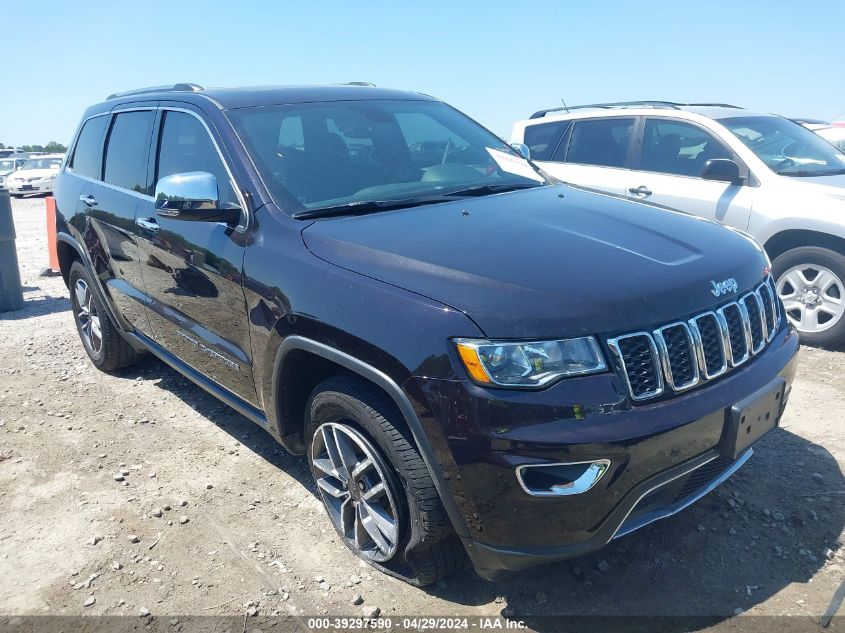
(681, 355)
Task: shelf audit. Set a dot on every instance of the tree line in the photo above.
(52, 147)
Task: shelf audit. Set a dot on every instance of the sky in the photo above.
(497, 61)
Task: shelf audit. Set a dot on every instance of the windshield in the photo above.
(322, 155)
(7, 165)
(43, 163)
(786, 147)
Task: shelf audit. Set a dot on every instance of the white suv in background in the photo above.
(760, 173)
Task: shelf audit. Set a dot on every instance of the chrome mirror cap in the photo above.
(192, 191)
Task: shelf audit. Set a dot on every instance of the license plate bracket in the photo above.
(751, 418)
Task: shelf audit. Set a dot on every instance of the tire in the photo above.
(101, 339)
(354, 413)
(811, 284)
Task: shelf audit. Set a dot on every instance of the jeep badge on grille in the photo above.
(724, 287)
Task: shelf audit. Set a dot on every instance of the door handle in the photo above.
(642, 190)
(89, 200)
(148, 224)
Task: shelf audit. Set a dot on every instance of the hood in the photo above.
(547, 262)
(831, 186)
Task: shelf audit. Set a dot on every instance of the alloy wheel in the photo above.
(813, 297)
(355, 486)
(87, 316)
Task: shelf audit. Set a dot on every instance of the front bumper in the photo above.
(30, 187)
(664, 456)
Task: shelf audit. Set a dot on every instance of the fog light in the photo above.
(561, 480)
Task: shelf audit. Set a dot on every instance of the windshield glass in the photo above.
(43, 163)
(786, 147)
(7, 165)
(322, 155)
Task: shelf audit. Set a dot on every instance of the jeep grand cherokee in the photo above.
(473, 358)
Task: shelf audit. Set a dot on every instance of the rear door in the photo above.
(192, 270)
(668, 171)
(115, 181)
(594, 153)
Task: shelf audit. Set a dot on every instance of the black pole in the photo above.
(11, 293)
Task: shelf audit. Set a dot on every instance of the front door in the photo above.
(192, 270)
(669, 173)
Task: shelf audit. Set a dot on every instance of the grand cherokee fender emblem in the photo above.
(724, 287)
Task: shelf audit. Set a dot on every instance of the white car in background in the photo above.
(9, 166)
(37, 175)
(834, 135)
(760, 173)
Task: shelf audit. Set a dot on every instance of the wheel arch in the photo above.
(67, 254)
(788, 239)
(72, 250)
(294, 353)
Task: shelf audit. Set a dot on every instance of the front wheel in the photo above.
(811, 284)
(377, 490)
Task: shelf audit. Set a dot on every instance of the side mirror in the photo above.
(723, 170)
(193, 197)
(522, 150)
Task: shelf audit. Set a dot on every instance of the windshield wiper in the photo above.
(367, 206)
(486, 190)
(805, 173)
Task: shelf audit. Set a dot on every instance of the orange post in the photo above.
(52, 251)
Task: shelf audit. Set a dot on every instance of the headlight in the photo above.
(529, 364)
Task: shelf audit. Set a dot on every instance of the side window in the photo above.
(127, 151)
(184, 146)
(672, 147)
(542, 139)
(86, 159)
(602, 142)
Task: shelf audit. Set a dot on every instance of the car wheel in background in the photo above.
(811, 284)
(102, 341)
(376, 488)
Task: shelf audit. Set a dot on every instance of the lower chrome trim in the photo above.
(595, 471)
(622, 530)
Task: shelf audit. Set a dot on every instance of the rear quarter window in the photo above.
(86, 159)
(542, 139)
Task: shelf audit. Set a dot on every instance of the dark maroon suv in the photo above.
(473, 358)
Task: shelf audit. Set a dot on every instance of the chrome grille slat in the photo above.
(677, 355)
(734, 317)
(641, 371)
(770, 311)
(710, 338)
(681, 355)
(756, 323)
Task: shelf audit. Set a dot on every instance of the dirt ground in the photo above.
(212, 517)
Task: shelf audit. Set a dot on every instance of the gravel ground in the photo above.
(141, 493)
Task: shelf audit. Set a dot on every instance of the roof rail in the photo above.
(182, 87)
(671, 105)
(715, 105)
(616, 104)
(359, 83)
